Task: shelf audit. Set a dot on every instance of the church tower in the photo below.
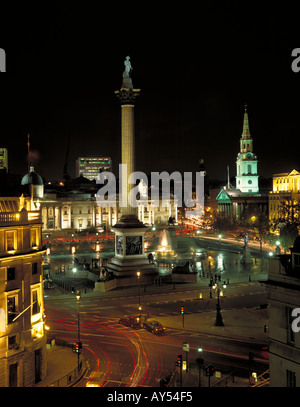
(246, 164)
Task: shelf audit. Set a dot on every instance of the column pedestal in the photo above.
(246, 259)
(130, 255)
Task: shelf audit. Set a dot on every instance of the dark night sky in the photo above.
(196, 69)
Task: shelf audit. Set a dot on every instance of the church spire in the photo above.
(246, 131)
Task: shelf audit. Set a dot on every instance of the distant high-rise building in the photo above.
(3, 159)
(89, 167)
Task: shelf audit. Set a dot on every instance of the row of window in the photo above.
(11, 272)
(11, 239)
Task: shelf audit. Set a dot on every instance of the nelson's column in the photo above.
(129, 232)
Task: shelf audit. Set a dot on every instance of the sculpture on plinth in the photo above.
(127, 81)
(246, 259)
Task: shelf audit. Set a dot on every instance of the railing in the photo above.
(69, 378)
(19, 218)
(224, 380)
(263, 379)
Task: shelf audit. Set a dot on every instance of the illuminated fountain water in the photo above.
(164, 249)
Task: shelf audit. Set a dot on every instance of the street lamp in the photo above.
(219, 319)
(200, 362)
(78, 296)
(138, 273)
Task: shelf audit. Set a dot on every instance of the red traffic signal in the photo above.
(182, 309)
(179, 361)
(78, 346)
(209, 370)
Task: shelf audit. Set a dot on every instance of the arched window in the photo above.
(249, 168)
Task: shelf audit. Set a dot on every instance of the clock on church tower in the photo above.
(246, 164)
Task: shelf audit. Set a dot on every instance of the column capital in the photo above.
(127, 96)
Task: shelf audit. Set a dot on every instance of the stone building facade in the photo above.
(283, 287)
(22, 325)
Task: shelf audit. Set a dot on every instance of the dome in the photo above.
(32, 178)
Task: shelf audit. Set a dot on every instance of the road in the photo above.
(120, 356)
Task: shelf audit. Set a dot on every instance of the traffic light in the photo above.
(179, 361)
(78, 346)
(209, 371)
(182, 309)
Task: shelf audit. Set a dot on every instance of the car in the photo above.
(130, 320)
(154, 326)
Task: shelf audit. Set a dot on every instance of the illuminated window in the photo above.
(11, 308)
(10, 240)
(33, 234)
(35, 302)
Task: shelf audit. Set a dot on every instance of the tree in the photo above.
(259, 223)
(288, 234)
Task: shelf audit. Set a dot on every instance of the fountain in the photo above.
(164, 249)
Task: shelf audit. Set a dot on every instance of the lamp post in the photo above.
(138, 273)
(219, 319)
(277, 250)
(78, 296)
(200, 362)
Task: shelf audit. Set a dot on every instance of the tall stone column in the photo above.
(127, 99)
(129, 231)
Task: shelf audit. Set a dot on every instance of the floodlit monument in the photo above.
(129, 231)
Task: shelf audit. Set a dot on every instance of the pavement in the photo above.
(62, 368)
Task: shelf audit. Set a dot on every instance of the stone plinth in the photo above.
(246, 259)
(130, 255)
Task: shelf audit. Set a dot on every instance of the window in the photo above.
(35, 302)
(290, 332)
(13, 375)
(11, 273)
(34, 268)
(33, 237)
(11, 308)
(249, 169)
(290, 379)
(12, 342)
(10, 240)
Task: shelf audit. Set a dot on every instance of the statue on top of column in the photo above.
(127, 82)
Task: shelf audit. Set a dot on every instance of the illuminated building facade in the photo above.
(22, 325)
(233, 201)
(283, 287)
(286, 190)
(77, 208)
(3, 159)
(246, 164)
(89, 167)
